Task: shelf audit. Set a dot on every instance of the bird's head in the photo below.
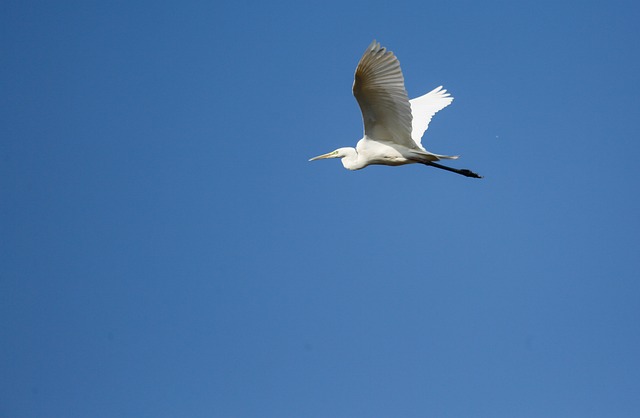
(349, 157)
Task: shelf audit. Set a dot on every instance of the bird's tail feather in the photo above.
(423, 155)
(447, 157)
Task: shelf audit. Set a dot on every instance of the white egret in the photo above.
(393, 124)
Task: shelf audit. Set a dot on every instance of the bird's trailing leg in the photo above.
(462, 171)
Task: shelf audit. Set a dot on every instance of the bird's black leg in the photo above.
(463, 171)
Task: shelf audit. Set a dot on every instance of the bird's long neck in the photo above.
(350, 161)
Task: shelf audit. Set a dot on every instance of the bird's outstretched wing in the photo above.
(424, 107)
(379, 90)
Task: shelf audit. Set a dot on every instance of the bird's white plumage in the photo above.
(393, 125)
(423, 108)
(379, 90)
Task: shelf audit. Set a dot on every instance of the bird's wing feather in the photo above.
(424, 107)
(379, 90)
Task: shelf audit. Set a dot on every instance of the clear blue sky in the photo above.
(167, 250)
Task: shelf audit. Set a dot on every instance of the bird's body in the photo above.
(370, 152)
(393, 124)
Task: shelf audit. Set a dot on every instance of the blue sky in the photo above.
(167, 249)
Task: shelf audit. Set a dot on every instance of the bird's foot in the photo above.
(470, 173)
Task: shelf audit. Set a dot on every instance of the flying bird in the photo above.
(393, 124)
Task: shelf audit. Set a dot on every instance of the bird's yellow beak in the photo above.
(331, 154)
